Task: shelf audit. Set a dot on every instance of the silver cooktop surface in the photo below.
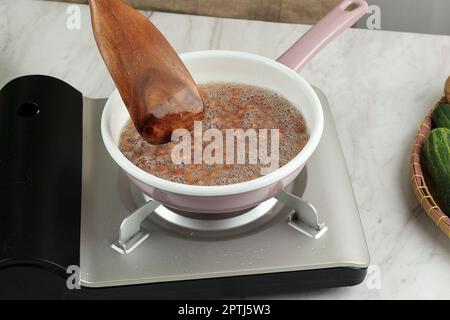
(172, 253)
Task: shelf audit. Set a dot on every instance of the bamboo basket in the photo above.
(417, 176)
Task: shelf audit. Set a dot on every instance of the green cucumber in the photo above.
(437, 158)
(441, 116)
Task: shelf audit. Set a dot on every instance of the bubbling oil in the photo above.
(227, 106)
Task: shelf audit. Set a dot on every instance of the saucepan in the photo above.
(239, 67)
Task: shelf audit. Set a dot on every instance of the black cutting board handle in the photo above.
(41, 132)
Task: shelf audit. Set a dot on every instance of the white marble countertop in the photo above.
(379, 85)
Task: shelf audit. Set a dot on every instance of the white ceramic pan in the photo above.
(231, 66)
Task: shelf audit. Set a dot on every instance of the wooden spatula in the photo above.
(156, 87)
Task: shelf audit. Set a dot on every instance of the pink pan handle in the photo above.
(332, 25)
